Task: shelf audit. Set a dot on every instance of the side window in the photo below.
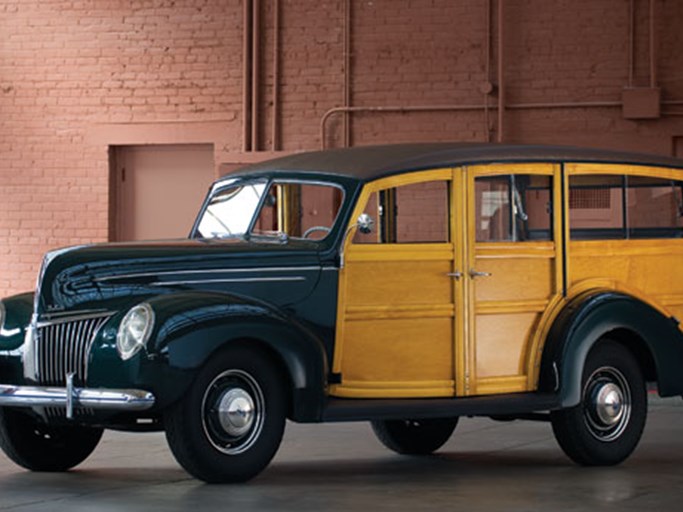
(515, 207)
(299, 210)
(654, 208)
(416, 213)
(596, 207)
(620, 207)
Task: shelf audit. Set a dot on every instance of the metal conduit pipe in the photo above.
(631, 40)
(347, 72)
(255, 68)
(653, 47)
(246, 75)
(275, 118)
(501, 75)
(456, 108)
(488, 88)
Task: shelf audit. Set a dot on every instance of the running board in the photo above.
(347, 409)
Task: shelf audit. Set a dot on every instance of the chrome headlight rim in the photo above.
(130, 342)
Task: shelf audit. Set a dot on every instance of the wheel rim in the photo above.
(233, 412)
(607, 404)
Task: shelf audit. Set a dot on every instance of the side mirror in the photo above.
(365, 223)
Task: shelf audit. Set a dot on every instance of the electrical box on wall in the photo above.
(641, 102)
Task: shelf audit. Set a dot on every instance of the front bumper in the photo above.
(70, 397)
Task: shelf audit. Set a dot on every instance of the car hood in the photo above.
(82, 277)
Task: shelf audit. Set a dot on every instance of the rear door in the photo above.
(513, 271)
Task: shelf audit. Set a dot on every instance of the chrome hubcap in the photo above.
(236, 412)
(233, 412)
(607, 404)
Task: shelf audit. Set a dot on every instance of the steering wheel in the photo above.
(313, 229)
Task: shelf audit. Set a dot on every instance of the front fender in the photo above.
(594, 314)
(18, 311)
(191, 326)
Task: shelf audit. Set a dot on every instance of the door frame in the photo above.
(454, 248)
(525, 379)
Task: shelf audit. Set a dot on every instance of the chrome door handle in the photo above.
(456, 274)
(475, 273)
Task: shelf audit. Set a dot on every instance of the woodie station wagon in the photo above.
(404, 285)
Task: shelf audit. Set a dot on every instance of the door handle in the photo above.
(456, 275)
(475, 273)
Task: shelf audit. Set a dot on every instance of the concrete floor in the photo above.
(485, 466)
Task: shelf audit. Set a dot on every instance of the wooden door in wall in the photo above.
(157, 190)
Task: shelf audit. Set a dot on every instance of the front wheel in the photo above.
(606, 426)
(37, 446)
(230, 424)
(414, 437)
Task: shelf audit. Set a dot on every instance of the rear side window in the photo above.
(621, 207)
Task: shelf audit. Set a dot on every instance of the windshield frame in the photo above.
(220, 186)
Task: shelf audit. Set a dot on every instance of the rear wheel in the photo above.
(230, 424)
(414, 437)
(38, 446)
(606, 426)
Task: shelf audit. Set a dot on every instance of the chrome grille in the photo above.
(63, 347)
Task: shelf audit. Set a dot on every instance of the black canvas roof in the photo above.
(366, 163)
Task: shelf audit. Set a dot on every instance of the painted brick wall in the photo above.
(77, 77)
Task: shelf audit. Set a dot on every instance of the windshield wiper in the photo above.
(281, 236)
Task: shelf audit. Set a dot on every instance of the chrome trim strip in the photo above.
(72, 314)
(104, 399)
(205, 271)
(242, 280)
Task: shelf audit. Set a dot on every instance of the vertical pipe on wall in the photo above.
(631, 40)
(501, 74)
(653, 47)
(246, 75)
(346, 126)
(255, 68)
(275, 134)
(487, 72)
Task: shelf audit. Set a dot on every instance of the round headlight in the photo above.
(134, 330)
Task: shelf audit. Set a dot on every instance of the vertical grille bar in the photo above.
(63, 347)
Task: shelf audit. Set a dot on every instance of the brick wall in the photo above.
(76, 77)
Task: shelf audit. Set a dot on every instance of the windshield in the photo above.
(231, 210)
(283, 210)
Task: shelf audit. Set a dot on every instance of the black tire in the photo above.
(414, 437)
(605, 428)
(38, 446)
(216, 446)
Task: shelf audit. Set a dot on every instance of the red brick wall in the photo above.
(76, 77)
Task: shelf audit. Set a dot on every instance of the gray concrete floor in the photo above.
(485, 466)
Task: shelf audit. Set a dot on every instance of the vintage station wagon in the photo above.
(403, 285)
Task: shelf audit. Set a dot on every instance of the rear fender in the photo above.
(654, 338)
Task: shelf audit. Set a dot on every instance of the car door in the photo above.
(399, 287)
(514, 271)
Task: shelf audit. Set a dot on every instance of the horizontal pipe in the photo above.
(108, 399)
(456, 108)
(472, 107)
